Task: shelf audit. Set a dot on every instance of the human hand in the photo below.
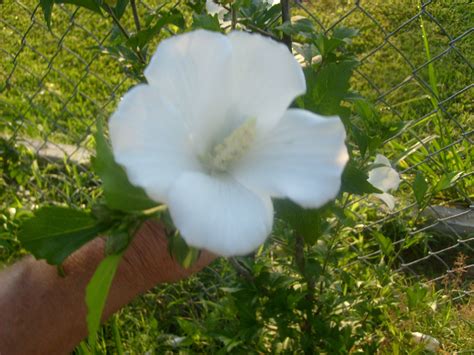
(34, 297)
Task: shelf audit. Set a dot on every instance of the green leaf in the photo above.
(313, 268)
(120, 237)
(354, 180)
(298, 27)
(386, 245)
(185, 255)
(117, 243)
(416, 295)
(142, 38)
(206, 22)
(327, 86)
(104, 214)
(96, 294)
(306, 222)
(447, 180)
(55, 232)
(361, 139)
(119, 8)
(345, 33)
(327, 46)
(111, 3)
(420, 187)
(367, 112)
(47, 6)
(412, 240)
(119, 193)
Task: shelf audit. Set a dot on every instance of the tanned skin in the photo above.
(44, 313)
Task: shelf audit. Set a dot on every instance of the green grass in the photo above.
(403, 49)
(59, 97)
(58, 87)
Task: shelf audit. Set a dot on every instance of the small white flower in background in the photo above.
(430, 343)
(211, 135)
(270, 2)
(214, 8)
(384, 178)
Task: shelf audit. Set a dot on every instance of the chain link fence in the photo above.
(55, 84)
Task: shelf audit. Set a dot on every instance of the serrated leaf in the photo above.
(420, 187)
(305, 222)
(142, 38)
(298, 27)
(97, 291)
(327, 87)
(345, 33)
(206, 22)
(354, 180)
(53, 233)
(327, 46)
(119, 193)
(185, 255)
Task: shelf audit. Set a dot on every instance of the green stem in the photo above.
(123, 30)
(153, 210)
(233, 12)
(136, 19)
(286, 17)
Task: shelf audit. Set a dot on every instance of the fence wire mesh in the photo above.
(53, 90)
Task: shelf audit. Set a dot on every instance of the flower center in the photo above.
(232, 147)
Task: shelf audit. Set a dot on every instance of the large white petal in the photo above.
(150, 141)
(265, 78)
(302, 158)
(191, 72)
(217, 82)
(218, 214)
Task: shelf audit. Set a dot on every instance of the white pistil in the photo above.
(233, 146)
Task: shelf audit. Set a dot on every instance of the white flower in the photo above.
(214, 8)
(211, 136)
(270, 2)
(384, 178)
(430, 343)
